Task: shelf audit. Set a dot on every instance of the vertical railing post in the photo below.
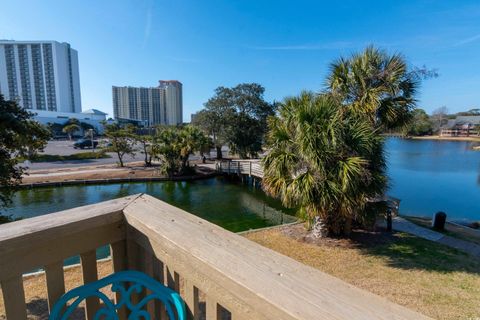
(149, 270)
(191, 300)
(89, 271)
(14, 298)
(213, 311)
(55, 282)
(159, 275)
(119, 258)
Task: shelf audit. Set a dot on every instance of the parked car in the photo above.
(84, 143)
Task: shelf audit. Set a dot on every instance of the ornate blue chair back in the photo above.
(125, 283)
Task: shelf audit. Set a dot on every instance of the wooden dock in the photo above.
(251, 168)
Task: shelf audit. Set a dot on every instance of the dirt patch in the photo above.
(358, 238)
(133, 171)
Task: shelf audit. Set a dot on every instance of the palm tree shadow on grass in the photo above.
(406, 251)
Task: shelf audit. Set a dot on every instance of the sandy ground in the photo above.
(133, 170)
(36, 295)
(472, 138)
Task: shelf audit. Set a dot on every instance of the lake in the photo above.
(233, 206)
(427, 175)
(430, 176)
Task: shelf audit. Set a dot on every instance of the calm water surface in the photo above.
(430, 176)
(234, 206)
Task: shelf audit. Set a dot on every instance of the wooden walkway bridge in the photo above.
(254, 169)
(251, 168)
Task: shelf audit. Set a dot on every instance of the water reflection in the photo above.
(431, 176)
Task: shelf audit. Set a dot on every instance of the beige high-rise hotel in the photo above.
(151, 106)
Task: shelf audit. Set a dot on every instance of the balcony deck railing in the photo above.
(198, 259)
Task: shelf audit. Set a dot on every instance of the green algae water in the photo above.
(233, 206)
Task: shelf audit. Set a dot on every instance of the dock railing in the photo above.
(251, 168)
(231, 276)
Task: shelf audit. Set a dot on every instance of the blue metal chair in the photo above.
(125, 283)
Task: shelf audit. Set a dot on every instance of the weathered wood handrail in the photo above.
(205, 263)
(252, 168)
(46, 241)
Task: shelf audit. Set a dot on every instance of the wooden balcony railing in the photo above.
(209, 266)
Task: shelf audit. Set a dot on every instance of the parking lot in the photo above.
(62, 147)
(65, 148)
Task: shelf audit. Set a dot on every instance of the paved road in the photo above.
(66, 148)
(63, 148)
(79, 163)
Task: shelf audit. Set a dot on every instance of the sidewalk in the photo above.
(400, 224)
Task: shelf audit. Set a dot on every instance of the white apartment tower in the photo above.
(152, 106)
(173, 101)
(40, 75)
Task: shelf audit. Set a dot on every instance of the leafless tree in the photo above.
(439, 118)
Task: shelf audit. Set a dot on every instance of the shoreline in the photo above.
(435, 137)
(107, 174)
(441, 138)
(114, 180)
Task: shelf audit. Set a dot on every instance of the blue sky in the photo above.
(284, 45)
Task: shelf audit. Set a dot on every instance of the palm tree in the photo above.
(325, 160)
(191, 140)
(377, 85)
(70, 129)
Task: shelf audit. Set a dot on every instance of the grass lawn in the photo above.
(432, 279)
(76, 156)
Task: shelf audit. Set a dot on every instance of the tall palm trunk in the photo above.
(219, 152)
(319, 229)
(347, 227)
(184, 164)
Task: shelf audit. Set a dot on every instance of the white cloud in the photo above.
(148, 24)
(467, 40)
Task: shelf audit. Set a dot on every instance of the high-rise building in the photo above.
(146, 105)
(40, 75)
(173, 100)
(151, 106)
